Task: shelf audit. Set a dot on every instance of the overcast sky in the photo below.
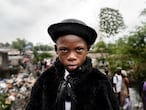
(29, 19)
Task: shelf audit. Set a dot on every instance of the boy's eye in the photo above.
(79, 49)
(63, 50)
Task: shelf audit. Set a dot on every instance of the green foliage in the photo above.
(130, 53)
(36, 56)
(43, 48)
(3, 105)
(137, 44)
(41, 56)
(111, 48)
(111, 21)
(100, 47)
(44, 55)
(137, 51)
(20, 44)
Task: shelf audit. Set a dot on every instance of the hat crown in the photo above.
(72, 26)
(73, 21)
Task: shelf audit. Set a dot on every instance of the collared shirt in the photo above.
(67, 103)
(117, 79)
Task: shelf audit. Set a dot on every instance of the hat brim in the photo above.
(83, 31)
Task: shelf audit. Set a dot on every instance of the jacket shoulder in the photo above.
(98, 74)
(48, 75)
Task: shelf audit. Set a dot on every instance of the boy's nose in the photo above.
(71, 56)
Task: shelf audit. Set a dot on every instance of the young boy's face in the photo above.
(72, 51)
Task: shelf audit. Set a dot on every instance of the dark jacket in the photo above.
(91, 88)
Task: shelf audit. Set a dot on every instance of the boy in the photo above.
(71, 83)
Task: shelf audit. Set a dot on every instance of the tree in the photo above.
(40, 56)
(100, 47)
(43, 48)
(137, 51)
(130, 53)
(111, 21)
(143, 13)
(20, 44)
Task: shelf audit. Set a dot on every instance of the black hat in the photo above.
(75, 27)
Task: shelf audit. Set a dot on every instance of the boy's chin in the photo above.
(71, 70)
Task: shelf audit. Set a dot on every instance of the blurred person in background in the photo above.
(125, 94)
(117, 84)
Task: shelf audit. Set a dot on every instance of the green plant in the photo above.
(3, 104)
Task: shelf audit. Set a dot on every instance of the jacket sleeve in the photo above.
(35, 101)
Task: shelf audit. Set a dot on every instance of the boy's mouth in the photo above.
(72, 67)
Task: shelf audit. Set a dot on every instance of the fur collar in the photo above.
(80, 72)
